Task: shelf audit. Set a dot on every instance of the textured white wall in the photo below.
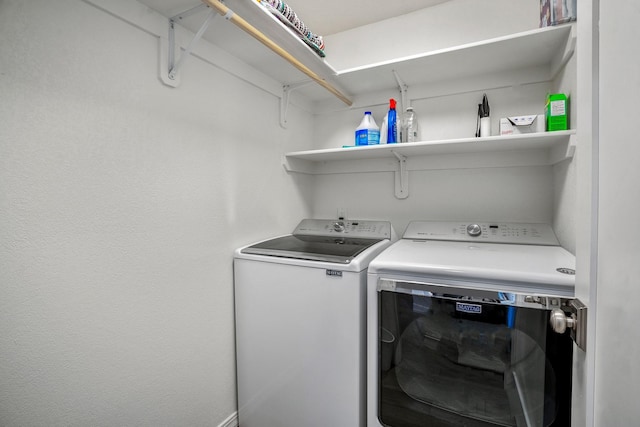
(494, 194)
(121, 201)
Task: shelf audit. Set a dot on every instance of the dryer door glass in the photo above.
(453, 358)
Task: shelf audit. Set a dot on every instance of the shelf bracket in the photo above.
(170, 75)
(563, 151)
(404, 89)
(401, 177)
(568, 52)
(284, 100)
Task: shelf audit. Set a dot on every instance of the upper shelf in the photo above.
(545, 49)
(261, 24)
(542, 52)
(264, 21)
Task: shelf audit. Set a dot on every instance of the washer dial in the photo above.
(474, 230)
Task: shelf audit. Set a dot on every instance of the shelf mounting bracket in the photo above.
(169, 75)
(284, 100)
(401, 177)
(404, 89)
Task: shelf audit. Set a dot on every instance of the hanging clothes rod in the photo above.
(255, 33)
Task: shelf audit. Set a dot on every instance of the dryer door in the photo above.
(452, 356)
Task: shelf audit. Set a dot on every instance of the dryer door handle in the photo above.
(572, 316)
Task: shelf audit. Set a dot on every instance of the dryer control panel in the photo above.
(489, 232)
(362, 229)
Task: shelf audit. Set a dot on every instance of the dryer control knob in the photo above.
(474, 230)
(338, 226)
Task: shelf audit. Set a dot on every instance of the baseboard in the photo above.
(231, 421)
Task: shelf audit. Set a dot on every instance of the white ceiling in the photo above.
(322, 17)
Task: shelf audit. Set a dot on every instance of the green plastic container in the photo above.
(557, 112)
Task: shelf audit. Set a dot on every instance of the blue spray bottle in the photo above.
(392, 123)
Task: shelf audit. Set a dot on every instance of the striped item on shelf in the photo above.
(286, 15)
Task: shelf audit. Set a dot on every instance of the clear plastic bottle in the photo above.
(368, 133)
(409, 129)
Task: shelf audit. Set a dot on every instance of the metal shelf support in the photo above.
(284, 100)
(170, 77)
(401, 177)
(404, 89)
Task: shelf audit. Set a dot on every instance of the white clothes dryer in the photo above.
(459, 328)
(300, 302)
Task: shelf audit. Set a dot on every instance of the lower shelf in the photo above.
(537, 149)
(545, 148)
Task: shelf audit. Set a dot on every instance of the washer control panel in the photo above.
(352, 228)
(489, 232)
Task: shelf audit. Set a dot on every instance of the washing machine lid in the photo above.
(326, 240)
(335, 249)
(546, 269)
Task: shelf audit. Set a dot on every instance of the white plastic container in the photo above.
(409, 128)
(368, 133)
(383, 130)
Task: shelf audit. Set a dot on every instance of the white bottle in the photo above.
(409, 128)
(368, 133)
(383, 130)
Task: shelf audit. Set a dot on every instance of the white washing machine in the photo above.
(300, 303)
(459, 330)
